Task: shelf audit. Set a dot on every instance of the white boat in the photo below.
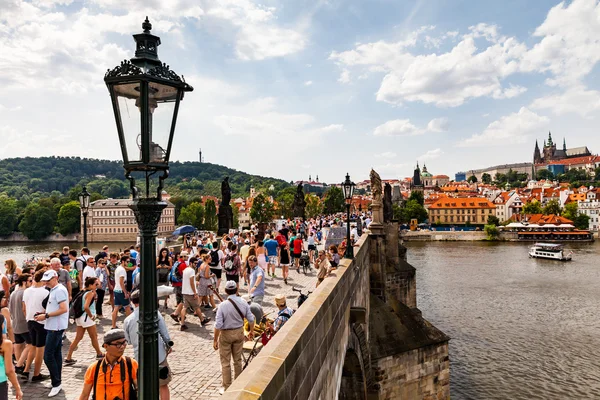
(551, 251)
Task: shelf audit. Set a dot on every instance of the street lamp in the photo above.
(348, 187)
(145, 96)
(84, 205)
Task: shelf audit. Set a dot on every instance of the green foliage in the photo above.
(334, 200)
(192, 214)
(262, 209)
(38, 221)
(486, 178)
(210, 215)
(533, 207)
(313, 206)
(236, 216)
(397, 210)
(581, 221)
(69, 218)
(570, 211)
(491, 232)
(472, 179)
(8, 215)
(418, 196)
(413, 210)
(513, 178)
(544, 174)
(597, 174)
(285, 200)
(552, 207)
(574, 175)
(493, 220)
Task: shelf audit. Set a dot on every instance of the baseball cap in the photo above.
(49, 275)
(230, 285)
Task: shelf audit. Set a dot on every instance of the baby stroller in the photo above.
(305, 262)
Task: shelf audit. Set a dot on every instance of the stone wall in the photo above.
(305, 359)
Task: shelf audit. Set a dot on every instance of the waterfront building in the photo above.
(507, 204)
(111, 220)
(588, 204)
(538, 227)
(461, 211)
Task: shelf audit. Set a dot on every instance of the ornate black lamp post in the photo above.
(84, 205)
(348, 187)
(145, 96)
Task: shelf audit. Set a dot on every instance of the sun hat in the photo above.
(280, 300)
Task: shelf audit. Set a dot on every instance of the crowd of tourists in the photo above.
(39, 301)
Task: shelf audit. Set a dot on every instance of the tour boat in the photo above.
(551, 251)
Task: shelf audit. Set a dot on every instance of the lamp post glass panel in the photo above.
(84, 205)
(145, 95)
(348, 187)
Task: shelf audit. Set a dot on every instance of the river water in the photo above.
(520, 328)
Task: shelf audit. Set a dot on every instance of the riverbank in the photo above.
(18, 237)
(464, 236)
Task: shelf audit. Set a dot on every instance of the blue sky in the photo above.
(291, 88)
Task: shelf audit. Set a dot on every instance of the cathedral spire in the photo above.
(550, 138)
(564, 144)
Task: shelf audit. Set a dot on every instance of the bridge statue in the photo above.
(225, 214)
(388, 211)
(299, 202)
(376, 225)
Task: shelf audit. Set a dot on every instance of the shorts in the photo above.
(21, 338)
(235, 278)
(273, 260)
(168, 375)
(312, 247)
(178, 295)
(4, 390)
(85, 321)
(190, 301)
(37, 332)
(120, 299)
(217, 272)
(297, 255)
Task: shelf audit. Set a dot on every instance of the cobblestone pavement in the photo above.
(194, 362)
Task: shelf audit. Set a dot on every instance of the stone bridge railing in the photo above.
(305, 359)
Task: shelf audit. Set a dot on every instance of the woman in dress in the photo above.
(87, 321)
(284, 261)
(163, 266)
(12, 272)
(203, 276)
(261, 255)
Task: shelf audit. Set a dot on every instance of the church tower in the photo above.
(549, 149)
(417, 184)
(537, 157)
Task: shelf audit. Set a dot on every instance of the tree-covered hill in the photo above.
(30, 178)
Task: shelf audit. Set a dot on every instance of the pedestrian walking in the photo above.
(165, 344)
(63, 275)
(84, 307)
(204, 278)
(285, 261)
(232, 265)
(57, 320)
(190, 297)
(102, 287)
(22, 344)
(113, 377)
(33, 299)
(229, 332)
(257, 281)
(121, 293)
(176, 278)
(12, 273)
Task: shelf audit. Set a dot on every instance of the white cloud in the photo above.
(431, 155)
(344, 76)
(308, 83)
(403, 127)
(576, 99)
(438, 125)
(390, 169)
(510, 129)
(386, 154)
(257, 42)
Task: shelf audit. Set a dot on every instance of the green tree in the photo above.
(38, 222)
(486, 178)
(597, 174)
(472, 179)
(491, 232)
(533, 207)
(417, 195)
(313, 205)
(544, 174)
(397, 210)
(236, 216)
(570, 211)
(262, 209)
(552, 207)
(8, 215)
(581, 221)
(413, 210)
(210, 215)
(334, 200)
(193, 214)
(69, 218)
(285, 200)
(493, 220)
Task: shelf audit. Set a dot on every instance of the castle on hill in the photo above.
(551, 153)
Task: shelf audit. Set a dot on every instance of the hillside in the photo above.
(29, 178)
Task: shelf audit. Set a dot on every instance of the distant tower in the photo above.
(252, 192)
(317, 178)
(549, 149)
(537, 157)
(417, 185)
(565, 145)
(200, 156)
(309, 178)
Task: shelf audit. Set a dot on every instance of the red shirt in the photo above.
(297, 246)
(182, 265)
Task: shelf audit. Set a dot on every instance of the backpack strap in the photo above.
(236, 307)
(96, 378)
(132, 386)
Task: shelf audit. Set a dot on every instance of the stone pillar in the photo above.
(376, 226)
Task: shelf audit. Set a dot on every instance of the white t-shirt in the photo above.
(88, 272)
(33, 298)
(120, 272)
(186, 288)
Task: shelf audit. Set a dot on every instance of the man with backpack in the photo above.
(75, 272)
(114, 376)
(233, 265)
(216, 260)
(176, 279)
